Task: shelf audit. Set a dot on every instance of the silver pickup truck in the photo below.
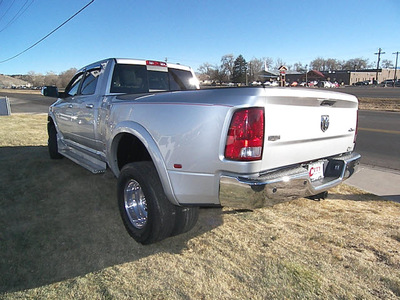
(175, 148)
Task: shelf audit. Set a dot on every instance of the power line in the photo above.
(18, 14)
(7, 10)
(45, 37)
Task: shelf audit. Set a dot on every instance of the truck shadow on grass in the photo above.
(59, 221)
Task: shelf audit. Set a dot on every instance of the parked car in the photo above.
(325, 84)
(388, 82)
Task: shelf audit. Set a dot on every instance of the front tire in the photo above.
(52, 141)
(147, 214)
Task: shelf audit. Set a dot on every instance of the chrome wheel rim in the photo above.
(135, 204)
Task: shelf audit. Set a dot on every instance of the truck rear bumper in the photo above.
(283, 185)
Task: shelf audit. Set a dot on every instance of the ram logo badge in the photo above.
(324, 122)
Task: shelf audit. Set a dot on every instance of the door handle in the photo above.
(89, 105)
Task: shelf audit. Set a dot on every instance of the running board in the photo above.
(90, 163)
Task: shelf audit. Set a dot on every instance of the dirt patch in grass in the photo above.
(383, 104)
(62, 238)
(18, 91)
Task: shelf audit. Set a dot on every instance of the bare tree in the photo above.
(278, 63)
(219, 74)
(268, 63)
(36, 79)
(356, 64)
(386, 63)
(256, 66)
(298, 67)
(50, 78)
(65, 77)
(332, 64)
(207, 70)
(227, 62)
(318, 64)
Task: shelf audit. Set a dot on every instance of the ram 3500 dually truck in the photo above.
(175, 148)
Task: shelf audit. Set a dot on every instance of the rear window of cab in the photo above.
(137, 79)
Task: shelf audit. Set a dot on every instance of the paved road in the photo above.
(378, 139)
(378, 142)
(372, 91)
(28, 103)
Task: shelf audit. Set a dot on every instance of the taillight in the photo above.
(246, 135)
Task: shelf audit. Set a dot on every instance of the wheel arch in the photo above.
(131, 137)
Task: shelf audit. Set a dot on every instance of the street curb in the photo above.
(379, 181)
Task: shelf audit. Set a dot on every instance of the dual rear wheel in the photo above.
(147, 214)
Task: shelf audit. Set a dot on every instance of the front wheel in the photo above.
(147, 214)
(52, 141)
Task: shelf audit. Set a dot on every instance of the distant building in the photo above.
(347, 77)
(268, 76)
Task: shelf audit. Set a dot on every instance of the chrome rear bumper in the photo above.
(283, 185)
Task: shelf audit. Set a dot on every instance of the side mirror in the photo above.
(50, 91)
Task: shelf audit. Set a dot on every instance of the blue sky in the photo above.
(194, 32)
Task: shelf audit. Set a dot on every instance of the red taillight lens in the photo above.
(246, 135)
(156, 63)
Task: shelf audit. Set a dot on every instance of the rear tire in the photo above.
(186, 218)
(147, 214)
(52, 141)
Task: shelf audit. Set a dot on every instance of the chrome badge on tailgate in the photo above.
(324, 122)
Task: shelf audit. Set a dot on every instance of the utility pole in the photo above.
(306, 75)
(395, 68)
(377, 64)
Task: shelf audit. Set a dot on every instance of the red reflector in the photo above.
(246, 135)
(156, 63)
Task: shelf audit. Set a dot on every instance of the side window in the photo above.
(90, 82)
(73, 85)
(129, 79)
(181, 80)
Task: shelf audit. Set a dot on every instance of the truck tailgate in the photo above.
(307, 127)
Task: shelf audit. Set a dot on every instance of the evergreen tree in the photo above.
(239, 70)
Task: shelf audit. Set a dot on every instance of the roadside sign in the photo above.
(5, 107)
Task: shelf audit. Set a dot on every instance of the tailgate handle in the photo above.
(327, 102)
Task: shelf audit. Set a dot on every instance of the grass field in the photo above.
(61, 238)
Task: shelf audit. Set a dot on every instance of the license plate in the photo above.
(316, 170)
